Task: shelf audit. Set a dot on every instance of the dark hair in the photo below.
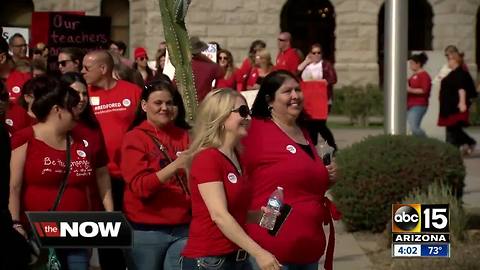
(4, 97)
(51, 92)
(270, 84)
(39, 64)
(420, 58)
(76, 55)
(28, 89)
(251, 51)
(16, 35)
(160, 85)
(4, 46)
(120, 45)
(148, 69)
(129, 74)
(87, 116)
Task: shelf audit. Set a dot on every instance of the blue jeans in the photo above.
(158, 249)
(214, 263)
(74, 259)
(288, 266)
(414, 118)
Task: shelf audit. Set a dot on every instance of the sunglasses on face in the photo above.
(63, 63)
(19, 45)
(316, 53)
(223, 58)
(243, 111)
(143, 58)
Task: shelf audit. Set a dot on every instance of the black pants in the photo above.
(320, 126)
(16, 254)
(457, 136)
(113, 258)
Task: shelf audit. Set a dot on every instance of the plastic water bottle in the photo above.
(274, 204)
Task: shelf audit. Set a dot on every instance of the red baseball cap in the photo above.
(140, 52)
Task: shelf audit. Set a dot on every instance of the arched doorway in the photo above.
(420, 24)
(309, 22)
(119, 11)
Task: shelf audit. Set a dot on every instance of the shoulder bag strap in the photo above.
(63, 184)
(180, 180)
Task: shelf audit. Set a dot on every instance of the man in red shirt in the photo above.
(205, 71)
(114, 103)
(287, 58)
(12, 78)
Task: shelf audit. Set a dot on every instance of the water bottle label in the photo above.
(274, 203)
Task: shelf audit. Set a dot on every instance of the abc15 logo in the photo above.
(416, 218)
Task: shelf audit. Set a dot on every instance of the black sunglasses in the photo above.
(64, 62)
(316, 53)
(243, 111)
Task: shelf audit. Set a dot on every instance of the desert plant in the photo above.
(382, 170)
(439, 193)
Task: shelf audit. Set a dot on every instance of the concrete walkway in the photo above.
(348, 254)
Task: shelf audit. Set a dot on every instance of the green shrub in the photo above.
(383, 169)
(358, 103)
(438, 193)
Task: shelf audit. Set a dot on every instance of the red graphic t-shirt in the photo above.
(115, 110)
(44, 170)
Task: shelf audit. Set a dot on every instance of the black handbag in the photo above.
(52, 262)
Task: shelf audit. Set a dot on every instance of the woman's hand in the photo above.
(183, 161)
(462, 107)
(266, 261)
(332, 172)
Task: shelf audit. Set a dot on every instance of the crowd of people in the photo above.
(114, 131)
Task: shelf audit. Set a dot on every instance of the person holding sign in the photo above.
(315, 68)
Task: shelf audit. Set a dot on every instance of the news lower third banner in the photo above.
(81, 229)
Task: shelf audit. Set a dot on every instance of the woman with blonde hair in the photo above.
(263, 67)
(219, 189)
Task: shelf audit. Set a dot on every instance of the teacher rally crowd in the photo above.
(114, 131)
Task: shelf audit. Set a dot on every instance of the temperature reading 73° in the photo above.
(434, 250)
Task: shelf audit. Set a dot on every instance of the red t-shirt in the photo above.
(276, 160)
(288, 60)
(420, 80)
(45, 168)
(17, 118)
(243, 74)
(115, 110)
(147, 200)
(230, 82)
(93, 138)
(205, 238)
(15, 82)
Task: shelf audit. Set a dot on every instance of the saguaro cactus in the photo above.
(176, 36)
